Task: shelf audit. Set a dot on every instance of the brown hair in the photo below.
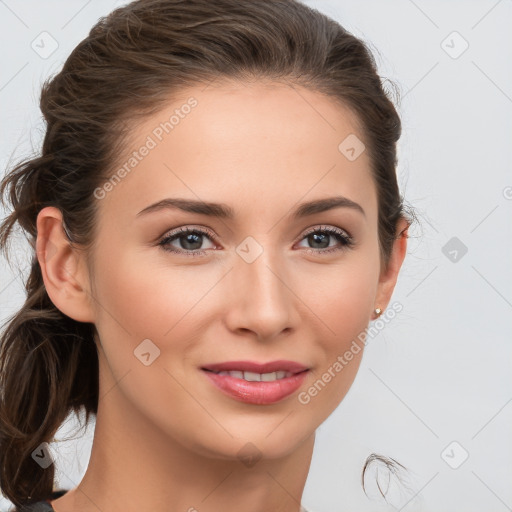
(126, 68)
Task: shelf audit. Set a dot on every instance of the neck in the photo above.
(134, 465)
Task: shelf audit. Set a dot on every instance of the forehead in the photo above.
(254, 144)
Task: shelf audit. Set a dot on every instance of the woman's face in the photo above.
(254, 286)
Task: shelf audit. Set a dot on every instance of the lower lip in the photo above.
(257, 392)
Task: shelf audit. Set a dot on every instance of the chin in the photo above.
(261, 440)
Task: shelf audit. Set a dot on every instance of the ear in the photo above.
(389, 275)
(63, 267)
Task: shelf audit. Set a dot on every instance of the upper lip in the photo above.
(252, 366)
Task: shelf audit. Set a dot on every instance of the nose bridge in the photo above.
(261, 297)
(259, 265)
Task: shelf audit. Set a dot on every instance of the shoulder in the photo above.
(41, 506)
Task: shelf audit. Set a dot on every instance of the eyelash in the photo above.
(342, 236)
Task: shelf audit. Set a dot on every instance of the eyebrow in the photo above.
(223, 211)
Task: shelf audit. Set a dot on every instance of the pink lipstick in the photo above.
(257, 383)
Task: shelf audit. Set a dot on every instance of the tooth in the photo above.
(256, 377)
(251, 376)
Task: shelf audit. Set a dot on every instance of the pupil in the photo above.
(195, 238)
(317, 236)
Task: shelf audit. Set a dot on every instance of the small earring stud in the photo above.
(378, 311)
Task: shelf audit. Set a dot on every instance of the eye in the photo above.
(189, 240)
(322, 235)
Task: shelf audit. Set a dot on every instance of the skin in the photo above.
(166, 439)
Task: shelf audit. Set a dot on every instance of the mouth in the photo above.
(289, 367)
(256, 383)
(255, 377)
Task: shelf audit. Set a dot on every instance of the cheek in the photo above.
(343, 297)
(342, 301)
(143, 299)
(136, 302)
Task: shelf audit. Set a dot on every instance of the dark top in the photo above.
(42, 506)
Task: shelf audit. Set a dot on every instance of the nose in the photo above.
(261, 298)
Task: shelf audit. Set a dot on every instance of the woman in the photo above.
(215, 219)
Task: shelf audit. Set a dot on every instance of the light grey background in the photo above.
(434, 384)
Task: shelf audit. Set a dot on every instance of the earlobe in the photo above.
(389, 276)
(62, 267)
